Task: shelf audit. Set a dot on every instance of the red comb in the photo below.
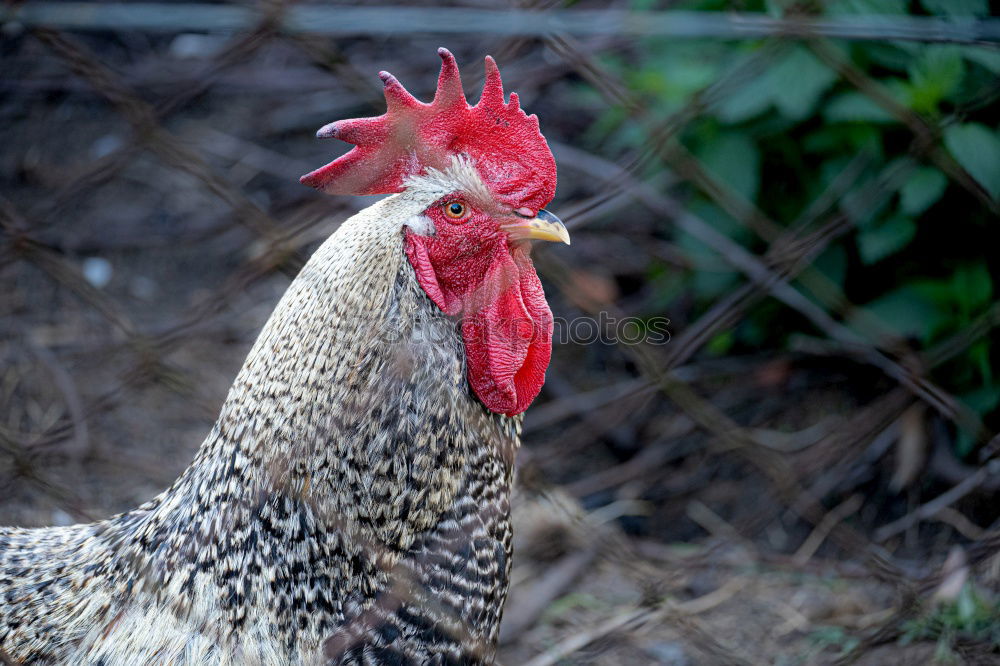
(504, 143)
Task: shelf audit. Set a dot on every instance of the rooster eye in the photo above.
(455, 210)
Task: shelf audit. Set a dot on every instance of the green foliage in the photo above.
(971, 616)
(921, 263)
(931, 309)
(792, 86)
(878, 241)
(823, 638)
(923, 188)
(867, 7)
(977, 149)
(734, 159)
(957, 7)
(933, 77)
(854, 107)
(573, 602)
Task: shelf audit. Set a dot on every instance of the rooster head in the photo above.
(490, 173)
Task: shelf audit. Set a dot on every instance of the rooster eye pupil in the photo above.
(455, 209)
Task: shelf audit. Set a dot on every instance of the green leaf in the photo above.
(965, 604)
(934, 75)
(734, 159)
(908, 311)
(680, 70)
(867, 7)
(988, 58)
(797, 82)
(721, 221)
(853, 107)
(793, 85)
(979, 355)
(777, 8)
(972, 286)
(977, 149)
(957, 7)
(747, 101)
(983, 400)
(887, 238)
(841, 139)
(711, 275)
(965, 443)
(859, 205)
(894, 56)
(924, 187)
(833, 264)
(721, 343)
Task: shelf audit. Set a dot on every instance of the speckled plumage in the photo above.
(349, 506)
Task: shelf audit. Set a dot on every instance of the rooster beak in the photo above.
(543, 226)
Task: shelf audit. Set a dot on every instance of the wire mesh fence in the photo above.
(795, 473)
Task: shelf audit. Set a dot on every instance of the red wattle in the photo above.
(506, 323)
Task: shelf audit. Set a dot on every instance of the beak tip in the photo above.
(543, 226)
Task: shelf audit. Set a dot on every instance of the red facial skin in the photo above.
(471, 270)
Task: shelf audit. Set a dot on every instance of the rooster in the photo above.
(351, 503)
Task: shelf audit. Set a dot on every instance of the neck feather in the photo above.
(353, 400)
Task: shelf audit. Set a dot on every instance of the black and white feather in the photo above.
(349, 506)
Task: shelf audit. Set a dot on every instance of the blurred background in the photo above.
(805, 472)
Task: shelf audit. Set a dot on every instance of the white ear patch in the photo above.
(420, 224)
